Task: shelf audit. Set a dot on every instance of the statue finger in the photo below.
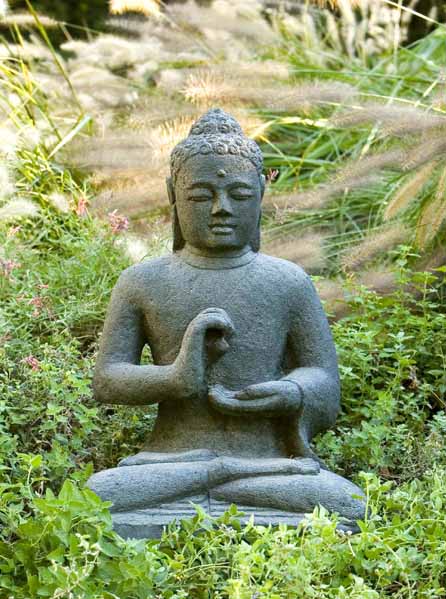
(230, 405)
(201, 324)
(273, 405)
(222, 401)
(257, 391)
(219, 322)
(215, 311)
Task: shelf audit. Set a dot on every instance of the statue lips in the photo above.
(222, 228)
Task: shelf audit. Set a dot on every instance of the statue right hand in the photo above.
(204, 341)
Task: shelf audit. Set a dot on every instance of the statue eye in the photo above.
(242, 194)
(200, 197)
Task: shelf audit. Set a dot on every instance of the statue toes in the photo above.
(307, 466)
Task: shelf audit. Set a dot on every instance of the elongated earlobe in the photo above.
(262, 184)
(170, 190)
(178, 239)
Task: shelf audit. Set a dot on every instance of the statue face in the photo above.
(218, 200)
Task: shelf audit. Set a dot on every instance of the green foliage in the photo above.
(63, 546)
(392, 359)
(52, 307)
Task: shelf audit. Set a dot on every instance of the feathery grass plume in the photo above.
(324, 38)
(289, 203)
(166, 136)
(114, 52)
(151, 111)
(409, 190)
(104, 88)
(398, 119)
(242, 19)
(150, 8)
(433, 215)
(170, 81)
(18, 208)
(433, 148)
(7, 187)
(356, 174)
(265, 69)
(59, 202)
(306, 96)
(128, 152)
(8, 138)
(27, 21)
(332, 293)
(304, 248)
(135, 195)
(374, 244)
(382, 281)
(27, 51)
(124, 152)
(207, 87)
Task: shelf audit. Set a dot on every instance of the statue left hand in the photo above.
(274, 398)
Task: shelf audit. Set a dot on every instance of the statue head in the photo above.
(216, 186)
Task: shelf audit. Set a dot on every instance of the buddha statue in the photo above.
(244, 369)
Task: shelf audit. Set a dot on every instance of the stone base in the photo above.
(149, 523)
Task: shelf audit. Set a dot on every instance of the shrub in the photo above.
(391, 352)
(63, 546)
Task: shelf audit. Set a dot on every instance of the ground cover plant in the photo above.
(61, 253)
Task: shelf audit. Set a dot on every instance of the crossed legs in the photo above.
(293, 485)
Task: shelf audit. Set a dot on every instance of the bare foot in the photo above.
(154, 457)
(224, 469)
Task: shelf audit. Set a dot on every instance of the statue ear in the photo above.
(170, 190)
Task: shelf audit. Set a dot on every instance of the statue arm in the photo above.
(316, 374)
(119, 378)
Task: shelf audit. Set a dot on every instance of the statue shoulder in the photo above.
(286, 270)
(142, 276)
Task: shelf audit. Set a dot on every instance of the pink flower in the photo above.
(39, 304)
(81, 207)
(32, 362)
(7, 266)
(118, 222)
(13, 231)
(272, 175)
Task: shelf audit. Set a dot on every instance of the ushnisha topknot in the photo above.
(219, 133)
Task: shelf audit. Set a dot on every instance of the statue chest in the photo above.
(257, 307)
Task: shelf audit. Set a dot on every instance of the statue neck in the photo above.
(209, 260)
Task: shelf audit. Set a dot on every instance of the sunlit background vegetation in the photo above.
(348, 102)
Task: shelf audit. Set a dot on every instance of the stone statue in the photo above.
(244, 367)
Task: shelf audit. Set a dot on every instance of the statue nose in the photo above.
(221, 205)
